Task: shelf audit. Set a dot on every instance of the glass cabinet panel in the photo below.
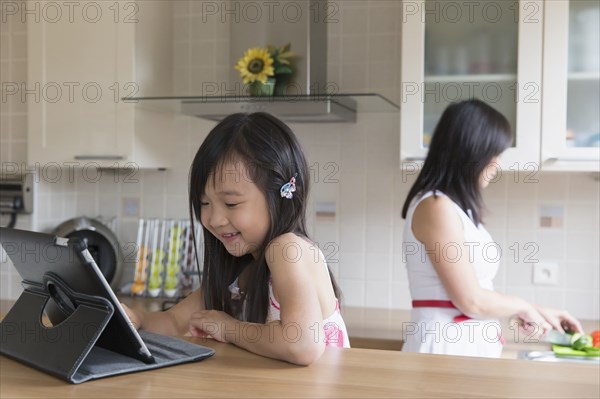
(471, 51)
(583, 84)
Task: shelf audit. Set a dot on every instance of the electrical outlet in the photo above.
(545, 273)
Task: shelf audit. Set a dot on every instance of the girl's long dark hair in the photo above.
(271, 155)
(466, 139)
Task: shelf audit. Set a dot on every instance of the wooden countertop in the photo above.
(348, 373)
(352, 373)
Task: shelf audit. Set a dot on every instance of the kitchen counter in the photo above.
(382, 328)
(233, 372)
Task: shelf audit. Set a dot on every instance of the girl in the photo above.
(447, 250)
(265, 286)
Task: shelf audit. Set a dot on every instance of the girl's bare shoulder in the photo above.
(291, 239)
(290, 247)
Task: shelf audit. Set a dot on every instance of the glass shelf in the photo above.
(299, 108)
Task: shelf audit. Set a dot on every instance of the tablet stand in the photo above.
(68, 350)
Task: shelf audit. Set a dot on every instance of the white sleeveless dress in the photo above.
(444, 330)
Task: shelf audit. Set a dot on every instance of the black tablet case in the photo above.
(69, 350)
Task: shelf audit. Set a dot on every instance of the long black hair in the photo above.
(272, 155)
(466, 139)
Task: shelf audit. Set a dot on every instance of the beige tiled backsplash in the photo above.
(355, 166)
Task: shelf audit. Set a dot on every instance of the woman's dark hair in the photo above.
(466, 139)
(272, 155)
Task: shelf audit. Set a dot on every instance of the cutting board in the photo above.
(560, 350)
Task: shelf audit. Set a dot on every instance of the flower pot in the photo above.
(281, 85)
(258, 88)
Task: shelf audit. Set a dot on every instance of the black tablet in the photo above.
(36, 254)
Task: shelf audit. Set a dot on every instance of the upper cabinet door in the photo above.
(489, 50)
(571, 120)
(78, 64)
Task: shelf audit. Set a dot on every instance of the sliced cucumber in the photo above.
(584, 341)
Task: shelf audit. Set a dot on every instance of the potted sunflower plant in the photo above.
(266, 70)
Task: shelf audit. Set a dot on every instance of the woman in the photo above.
(451, 258)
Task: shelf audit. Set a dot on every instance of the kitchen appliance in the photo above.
(308, 97)
(101, 242)
(16, 196)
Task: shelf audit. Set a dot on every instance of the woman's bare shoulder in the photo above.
(435, 215)
(435, 206)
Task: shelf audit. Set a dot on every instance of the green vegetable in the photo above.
(567, 351)
(584, 341)
(575, 337)
(591, 350)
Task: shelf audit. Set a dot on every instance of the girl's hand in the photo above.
(136, 318)
(560, 320)
(213, 323)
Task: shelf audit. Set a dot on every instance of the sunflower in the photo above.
(256, 64)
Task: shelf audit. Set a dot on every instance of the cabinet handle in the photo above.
(573, 159)
(411, 159)
(99, 157)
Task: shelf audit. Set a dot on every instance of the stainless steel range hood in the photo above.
(295, 109)
(290, 109)
(308, 97)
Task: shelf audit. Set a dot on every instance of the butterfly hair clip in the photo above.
(289, 188)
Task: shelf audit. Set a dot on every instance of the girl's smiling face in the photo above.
(234, 209)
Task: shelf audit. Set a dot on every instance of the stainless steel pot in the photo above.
(101, 242)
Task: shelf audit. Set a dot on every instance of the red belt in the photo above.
(432, 303)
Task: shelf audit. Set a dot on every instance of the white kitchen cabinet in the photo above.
(83, 57)
(571, 98)
(489, 50)
(511, 54)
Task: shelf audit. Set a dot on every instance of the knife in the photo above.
(558, 338)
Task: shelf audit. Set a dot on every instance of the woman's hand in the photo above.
(214, 323)
(533, 323)
(537, 321)
(135, 317)
(560, 320)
